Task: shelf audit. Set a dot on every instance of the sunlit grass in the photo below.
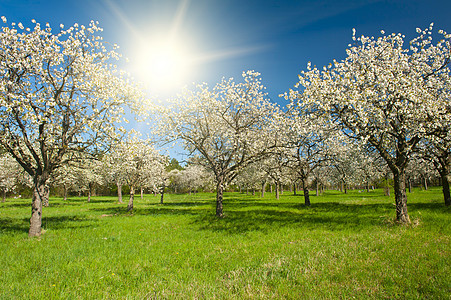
(343, 246)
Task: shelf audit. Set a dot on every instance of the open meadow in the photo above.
(341, 247)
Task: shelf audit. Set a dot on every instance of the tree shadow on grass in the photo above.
(153, 208)
(68, 221)
(21, 204)
(430, 206)
(245, 216)
(332, 216)
(22, 225)
(11, 225)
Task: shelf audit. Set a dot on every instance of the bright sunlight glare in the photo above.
(161, 64)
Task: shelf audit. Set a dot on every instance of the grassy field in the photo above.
(342, 247)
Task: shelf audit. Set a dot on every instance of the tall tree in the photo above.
(229, 126)
(384, 94)
(59, 93)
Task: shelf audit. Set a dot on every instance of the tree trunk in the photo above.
(317, 188)
(89, 192)
(446, 192)
(306, 192)
(142, 193)
(400, 197)
(46, 196)
(163, 187)
(263, 189)
(65, 192)
(219, 198)
(277, 191)
(387, 186)
(253, 191)
(445, 178)
(162, 195)
(367, 186)
(425, 183)
(409, 181)
(294, 189)
(119, 193)
(132, 196)
(36, 206)
(4, 196)
(270, 188)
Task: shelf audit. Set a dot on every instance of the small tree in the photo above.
(65, 176)
(133, 162)
(88, 175)
(306, 146)
(193, 177)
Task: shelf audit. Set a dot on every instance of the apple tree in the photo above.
(60, 92)
(383, 93)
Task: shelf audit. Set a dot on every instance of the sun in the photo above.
(162, 64)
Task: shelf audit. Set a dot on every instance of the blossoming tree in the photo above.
(59, 92)
(9, 173)
(133, 161)
(306, 145)
(228, 125)
(385, 94)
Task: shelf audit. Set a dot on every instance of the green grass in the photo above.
(343, 246)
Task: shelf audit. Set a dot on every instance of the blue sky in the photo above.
(275, 38)
(224, 38)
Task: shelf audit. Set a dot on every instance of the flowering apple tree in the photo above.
(228, 125)
(437, 149)
(59, 92)
(306, 145)
(193, 177)
(9, 173)
(133, 161)
(384, 93)
(65, 177)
